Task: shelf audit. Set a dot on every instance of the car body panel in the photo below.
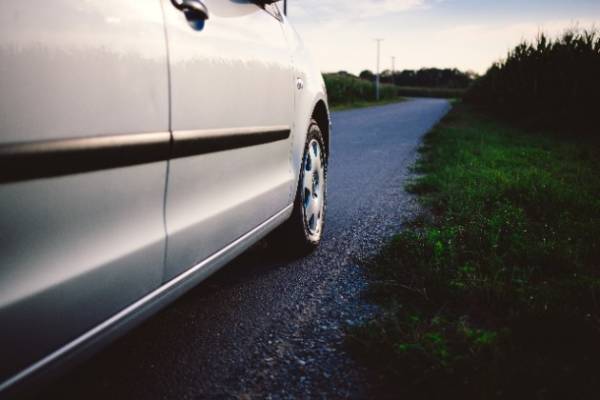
(78, 248)
(90, 250)
(241, 56)
(99, 336)
(75, 250)
(305, 100)
(76, 68)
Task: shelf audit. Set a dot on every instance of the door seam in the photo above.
(170, 128)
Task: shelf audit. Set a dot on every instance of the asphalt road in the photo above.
(270, 327)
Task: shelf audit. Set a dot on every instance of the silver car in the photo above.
(143, 145)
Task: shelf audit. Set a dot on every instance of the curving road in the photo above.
(267, 326)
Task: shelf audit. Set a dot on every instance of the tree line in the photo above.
(424, 77)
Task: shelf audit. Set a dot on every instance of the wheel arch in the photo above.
(321, 116)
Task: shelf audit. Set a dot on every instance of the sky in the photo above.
(464, 34)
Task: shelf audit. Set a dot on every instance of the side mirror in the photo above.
(265, 2)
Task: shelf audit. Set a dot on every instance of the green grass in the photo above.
(349, 89)
(364, 104)
(494, 291)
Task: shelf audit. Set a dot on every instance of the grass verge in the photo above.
(364, 104)
(494, 292)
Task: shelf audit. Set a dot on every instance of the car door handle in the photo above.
(193, 9)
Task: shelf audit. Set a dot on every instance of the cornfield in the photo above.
(553, 81)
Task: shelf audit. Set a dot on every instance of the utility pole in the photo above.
(377, 76)
(393, 70)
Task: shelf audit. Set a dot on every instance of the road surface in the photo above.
(267, 326)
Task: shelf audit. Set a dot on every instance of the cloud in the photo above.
(481, 44)
(340, 33)
(352, 9)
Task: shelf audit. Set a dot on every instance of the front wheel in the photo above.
(304, 229)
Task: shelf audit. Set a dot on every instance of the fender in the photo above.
(310, 100)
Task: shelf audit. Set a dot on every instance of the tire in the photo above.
(302, 233)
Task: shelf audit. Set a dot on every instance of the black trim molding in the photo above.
(188, 143)
(22, 161)
(42, 159)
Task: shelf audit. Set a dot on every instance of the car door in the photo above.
(84, 143)
(232, 101)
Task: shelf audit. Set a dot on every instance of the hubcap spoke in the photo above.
(308, 182)
(313, 208)
(315, 150)
(317, 165)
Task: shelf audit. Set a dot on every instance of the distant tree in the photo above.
(345, 73)
(367, 75)
(386, 76)
(425, 77)
(472, 75)
(430, 77)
